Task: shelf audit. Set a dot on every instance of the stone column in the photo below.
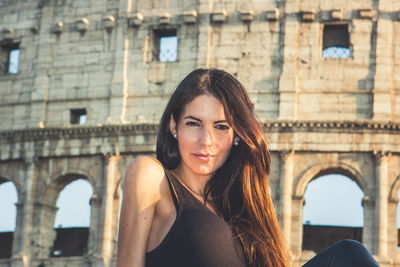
(381, 215)
(392, 226)
(18, 236)
(368, 204)
(120, 42)
(286, 192)
(22, 249)
(107, 224)
(288, 82)
(95, 225)
(205, 31)
(383, 100)
(43, 60)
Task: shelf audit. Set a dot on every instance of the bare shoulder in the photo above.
(146, 162)
(145, 169)
(142, 192)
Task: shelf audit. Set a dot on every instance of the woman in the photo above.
(205, 200)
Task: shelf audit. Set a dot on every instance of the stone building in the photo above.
(63, 61)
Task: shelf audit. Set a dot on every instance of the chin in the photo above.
(203, 172)
(198, 170)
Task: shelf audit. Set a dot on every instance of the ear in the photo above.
(172, 125)
(236, 139)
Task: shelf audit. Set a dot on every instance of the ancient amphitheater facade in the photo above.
(321, 114)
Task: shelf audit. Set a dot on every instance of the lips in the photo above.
(203, 156)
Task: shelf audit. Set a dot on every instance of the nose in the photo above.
(206, 137)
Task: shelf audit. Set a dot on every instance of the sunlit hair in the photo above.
(239, 189)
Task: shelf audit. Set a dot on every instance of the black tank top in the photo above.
(198, 237)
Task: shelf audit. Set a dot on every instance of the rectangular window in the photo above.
(9, 58)
(336, 41)
(13, 63)
(165, 45)
(78, 116)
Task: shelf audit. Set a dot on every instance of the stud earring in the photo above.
(175, 135)
(236, 143)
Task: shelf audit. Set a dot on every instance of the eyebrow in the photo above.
(197, 119)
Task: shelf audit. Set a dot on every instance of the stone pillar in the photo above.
(392, 226)
(16, 257)
(381, 215)
(22, 249)
(107, 225)
(296, 244)
(383, 100)
(120, 42)
(18, 225)
(289, 82)
(45, 234)
(368, 204)
(286, 191)
(95, 225)
(41, 80)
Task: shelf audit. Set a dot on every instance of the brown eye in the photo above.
(192, 123)
(222, 127)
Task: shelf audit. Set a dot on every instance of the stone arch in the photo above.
(394, 190)
(63, 178)
(47, 208)
(5, 178)
(9, 238)
(319, 170)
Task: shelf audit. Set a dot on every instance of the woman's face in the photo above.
(204, 136)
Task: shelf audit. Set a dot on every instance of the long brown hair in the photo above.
(240, 188)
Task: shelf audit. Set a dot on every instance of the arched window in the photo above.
(332, 212)
(72, 219)
(8, 214)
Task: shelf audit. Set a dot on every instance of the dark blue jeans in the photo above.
(345, 253)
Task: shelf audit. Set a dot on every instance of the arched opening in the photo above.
(333, 211)
(8, 214)
(72, 220)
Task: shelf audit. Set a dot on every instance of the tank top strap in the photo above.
(172, 187)
(183, 195)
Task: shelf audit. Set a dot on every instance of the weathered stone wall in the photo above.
(321, 115)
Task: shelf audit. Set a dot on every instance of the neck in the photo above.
(195, 183)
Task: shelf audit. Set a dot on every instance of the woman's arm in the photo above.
(141, 194)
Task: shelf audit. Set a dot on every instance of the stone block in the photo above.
(58, 28)
(165, 18)
(189, 16)
(157, 73)
(246, 15)
(109, 22)
(82, 24)
(307, 16)
(10, 18)
(70, 81)
(93, 59)
(218, 16)
(337, 14)
(8, 33)
(136, 19)
(272, 14)
(366, 13)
